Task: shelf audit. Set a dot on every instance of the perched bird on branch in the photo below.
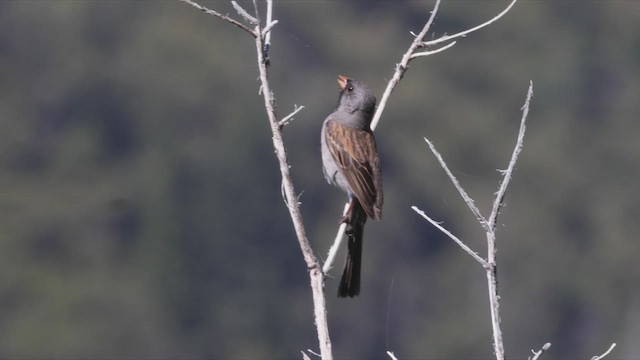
(350, 162)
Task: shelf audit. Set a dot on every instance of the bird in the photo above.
(350, 162)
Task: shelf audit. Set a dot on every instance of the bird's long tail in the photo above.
(350, 282)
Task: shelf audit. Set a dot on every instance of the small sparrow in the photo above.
(350, 162)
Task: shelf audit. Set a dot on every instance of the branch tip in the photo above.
(223, 17)
(287, 119)
(468, 31)
(599, 357)
(242, 12)
(468, 200)
(460, 243)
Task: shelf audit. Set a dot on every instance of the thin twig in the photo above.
(498, 203)
(467, 199)
(473, 254)
(392, 355)
(285, 120)
(418, 42)
(489, 226)
(267, 29)
(494, 298)
(431, 52)
(536, 354)
(492, 278)
(242, 12)
(223, 17)
(256, 11)
(313, 265)
(464, 33)
(402, 67)
(333, 250)
(605, 353)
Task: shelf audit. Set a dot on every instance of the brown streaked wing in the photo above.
(355, 153)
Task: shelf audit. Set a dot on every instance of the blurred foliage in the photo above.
(140, 198)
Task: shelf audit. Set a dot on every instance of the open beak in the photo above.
(342, 81)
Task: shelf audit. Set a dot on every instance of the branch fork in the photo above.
(488, 224)
(287, 119)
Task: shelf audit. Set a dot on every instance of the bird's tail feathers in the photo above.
(350, 282)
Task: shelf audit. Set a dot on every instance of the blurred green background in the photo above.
(140, 197)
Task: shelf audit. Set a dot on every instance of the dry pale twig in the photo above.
(266, 32)
(492, 280)
(498, 203)
(316, 275)
(242, 12)
(333, 250)
(536, 354)
(402, 66)
(467, 199)
(464, 33)
(431, 52)
(473, 254)
(285, 120)
(489, 225)
(419, 43)
(605, 353)
(223, 17)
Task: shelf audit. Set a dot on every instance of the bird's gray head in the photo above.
(356, 96)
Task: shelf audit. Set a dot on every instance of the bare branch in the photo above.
(313, 352)
(242, 12)
(536, 354)
(605, 353)
(289, 117)
(431, 52)
(267, 30)
(418, 42)
(313, 265)
(333, 250)
(401, 67)
(494, 300)
(464, 247)
(498, 203)
(223, 17)
(492, 281)
(489, 226)
(470, 203)
(256, 11)
(464, 33)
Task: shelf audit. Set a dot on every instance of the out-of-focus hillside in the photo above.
(140, 197)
